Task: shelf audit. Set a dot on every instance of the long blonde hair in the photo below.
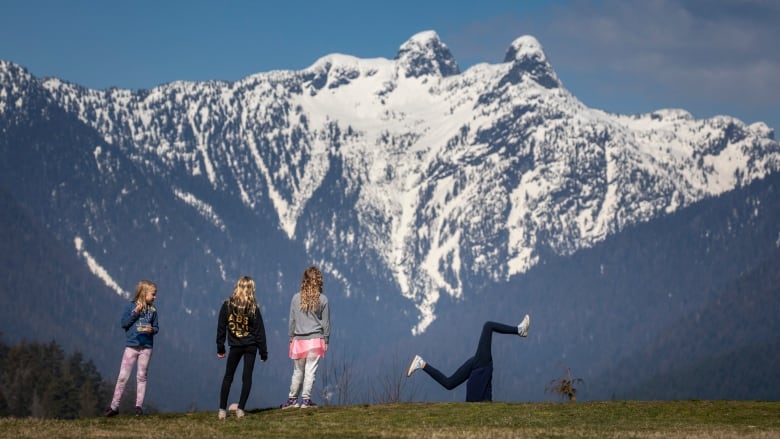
(311, 288)
(141, 288)
(243, 298)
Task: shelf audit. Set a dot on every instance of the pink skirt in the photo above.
(313, 347)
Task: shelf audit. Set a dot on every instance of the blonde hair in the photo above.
(141, 289)
(243, 298)
(311, 288)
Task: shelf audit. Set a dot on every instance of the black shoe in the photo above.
(110, 412)
(139, 411)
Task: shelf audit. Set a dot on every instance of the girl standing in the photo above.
(240, 320)
(309, 331)
(139, 320)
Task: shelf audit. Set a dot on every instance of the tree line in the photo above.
(40, 380)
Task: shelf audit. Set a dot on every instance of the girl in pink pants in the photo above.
(139, 320)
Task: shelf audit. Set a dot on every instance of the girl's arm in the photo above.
(326, 322)
(259, 333)
(129, 316)
(221, 329)
(291, 320)
(155, 326)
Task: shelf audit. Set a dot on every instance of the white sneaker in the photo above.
(416, 364)
(222, 414)
(522, 328)
(240, 413)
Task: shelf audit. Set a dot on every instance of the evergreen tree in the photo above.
(3, 405)
(88, 401)
(93, 391)
(39, 380)
(36, 408)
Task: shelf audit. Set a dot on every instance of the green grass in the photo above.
(619, 419)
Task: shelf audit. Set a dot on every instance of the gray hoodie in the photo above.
(312, 324)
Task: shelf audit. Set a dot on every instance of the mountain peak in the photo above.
(9, 70)
(525, 47)
(425, 54)
(528, 59)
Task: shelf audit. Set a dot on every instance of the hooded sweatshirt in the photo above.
(241, 330)
(132, 321)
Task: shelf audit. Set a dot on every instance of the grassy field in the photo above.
(618, 419)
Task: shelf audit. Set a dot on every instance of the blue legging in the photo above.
(482, 358)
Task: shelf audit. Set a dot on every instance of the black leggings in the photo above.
(248, 353)
(482, 358)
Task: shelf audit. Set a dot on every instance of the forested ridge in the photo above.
(41, 380)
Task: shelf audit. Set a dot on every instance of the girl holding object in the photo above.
(139, 320)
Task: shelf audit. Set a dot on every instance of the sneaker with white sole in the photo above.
(522, 328)
(416, 364)
(290, 403)
(240, 413)
(221, 414)
(308, 404)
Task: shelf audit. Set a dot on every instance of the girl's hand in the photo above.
(220, 355)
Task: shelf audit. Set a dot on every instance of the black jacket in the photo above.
(241, 330)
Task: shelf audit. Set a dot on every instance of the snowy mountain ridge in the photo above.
(454, 178)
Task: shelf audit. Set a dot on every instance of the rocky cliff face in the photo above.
(405, 170)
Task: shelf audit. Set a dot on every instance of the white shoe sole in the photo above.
(412, 367)
(526, 324)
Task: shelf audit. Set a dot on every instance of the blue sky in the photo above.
(709, 57)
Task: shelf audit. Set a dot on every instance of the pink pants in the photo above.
(129, 358)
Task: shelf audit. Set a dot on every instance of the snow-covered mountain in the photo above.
(437, 180)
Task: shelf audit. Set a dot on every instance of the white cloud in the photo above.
(638, 56)
(717, 51)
